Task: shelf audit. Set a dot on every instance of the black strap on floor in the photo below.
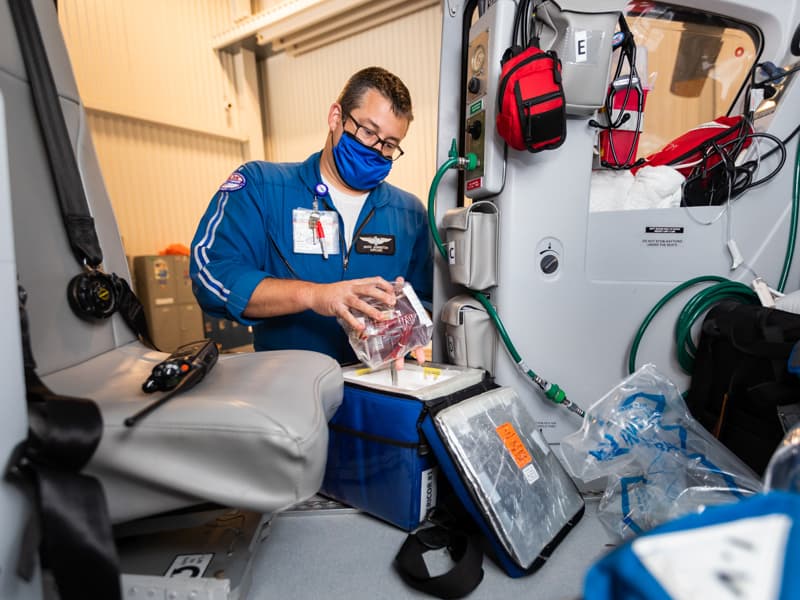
(70, 526)
(465, 552)
(72, 201)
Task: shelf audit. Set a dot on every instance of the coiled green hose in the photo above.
(723, 289)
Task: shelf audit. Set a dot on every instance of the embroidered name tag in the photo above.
(375, 243)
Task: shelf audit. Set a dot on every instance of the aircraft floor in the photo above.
(341, 553)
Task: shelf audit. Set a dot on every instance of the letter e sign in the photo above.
(581, 46)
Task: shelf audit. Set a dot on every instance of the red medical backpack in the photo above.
(531, 111)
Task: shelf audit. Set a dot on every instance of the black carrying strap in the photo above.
(449, 527)
(522, 37)
(70, 525)
(132, 311)
(465, 552)
(72, 201)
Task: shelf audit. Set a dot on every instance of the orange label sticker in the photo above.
(513, 444)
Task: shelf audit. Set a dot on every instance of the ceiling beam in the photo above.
(283, 19)
(391, 13)
(341, 20)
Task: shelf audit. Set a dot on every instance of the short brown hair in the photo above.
(381, 80)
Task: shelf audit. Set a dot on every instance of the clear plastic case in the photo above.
(515, 479)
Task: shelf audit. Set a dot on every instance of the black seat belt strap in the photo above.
(70, 527)
(72, 201)
(69, 186)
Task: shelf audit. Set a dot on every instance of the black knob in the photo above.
(549, 264)
(474, 85)
(475, 129)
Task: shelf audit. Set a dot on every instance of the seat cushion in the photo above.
(252, 434)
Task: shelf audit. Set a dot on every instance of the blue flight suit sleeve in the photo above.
(227, 261)
(420, 269)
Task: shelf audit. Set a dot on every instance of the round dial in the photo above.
(478, 58)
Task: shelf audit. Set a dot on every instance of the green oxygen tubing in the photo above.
(551, 390)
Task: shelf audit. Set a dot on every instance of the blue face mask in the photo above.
(359, 166)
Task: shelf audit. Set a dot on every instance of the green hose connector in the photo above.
(472, 161)
(453, 152)
(556, 394)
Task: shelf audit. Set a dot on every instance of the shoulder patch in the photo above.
(235, 181)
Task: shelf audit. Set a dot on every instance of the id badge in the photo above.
(315, 232)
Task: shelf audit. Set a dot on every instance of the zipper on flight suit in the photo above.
(346, 260)
(342, 242)
(283, 259)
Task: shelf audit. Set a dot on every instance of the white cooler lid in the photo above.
(428, 382)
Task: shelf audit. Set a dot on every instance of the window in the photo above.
(696, 65)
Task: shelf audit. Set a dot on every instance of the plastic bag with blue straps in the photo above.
(656, 460)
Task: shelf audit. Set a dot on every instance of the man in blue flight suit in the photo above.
(286, 247)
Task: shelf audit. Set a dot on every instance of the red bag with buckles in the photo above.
(531, 107)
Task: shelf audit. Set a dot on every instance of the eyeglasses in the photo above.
(366, 136)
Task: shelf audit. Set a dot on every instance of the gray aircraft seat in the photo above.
(252, 434)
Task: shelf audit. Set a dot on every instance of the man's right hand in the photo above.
(337, 299)
(274, 297)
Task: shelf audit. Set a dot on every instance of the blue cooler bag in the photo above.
(378, 460)
(511, 488)
(502, 469)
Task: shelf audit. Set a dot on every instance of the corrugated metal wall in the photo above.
(163, 107)
(153, 60)
(300, 90)
(160, 179)
(157, 98)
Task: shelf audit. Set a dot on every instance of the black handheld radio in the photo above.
(183, 369)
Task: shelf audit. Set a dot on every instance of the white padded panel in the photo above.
(253, 434)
